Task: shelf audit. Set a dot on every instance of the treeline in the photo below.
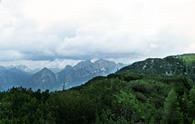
(123, 98)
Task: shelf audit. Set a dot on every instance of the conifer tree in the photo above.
(172, 114)
(191, 106)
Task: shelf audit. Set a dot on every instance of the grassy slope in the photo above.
(188, 58)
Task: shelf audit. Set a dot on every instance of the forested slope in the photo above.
(126, 97)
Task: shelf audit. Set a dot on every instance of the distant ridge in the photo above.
(54, 79)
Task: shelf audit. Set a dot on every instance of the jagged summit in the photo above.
(52, 78)
(44, 79)
(45, 70)
(86, 70)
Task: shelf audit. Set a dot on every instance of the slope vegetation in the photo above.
(131, 96)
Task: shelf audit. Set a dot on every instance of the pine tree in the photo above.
(191, 106)
(172, 113)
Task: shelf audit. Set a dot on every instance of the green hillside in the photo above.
(126, 97)
(188, 58)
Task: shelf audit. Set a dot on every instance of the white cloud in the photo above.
(10, 55)
(56, 29)
(59, 64)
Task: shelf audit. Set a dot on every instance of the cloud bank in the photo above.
(50, 30)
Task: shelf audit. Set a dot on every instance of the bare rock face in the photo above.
(86, 70)
(44, 79)
(10, 77)
(16, 76)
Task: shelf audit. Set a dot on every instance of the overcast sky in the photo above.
(52, 31)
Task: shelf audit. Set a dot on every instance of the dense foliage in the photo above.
(120, 98)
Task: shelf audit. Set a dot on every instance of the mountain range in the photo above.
(152, 91)
(54, 79)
